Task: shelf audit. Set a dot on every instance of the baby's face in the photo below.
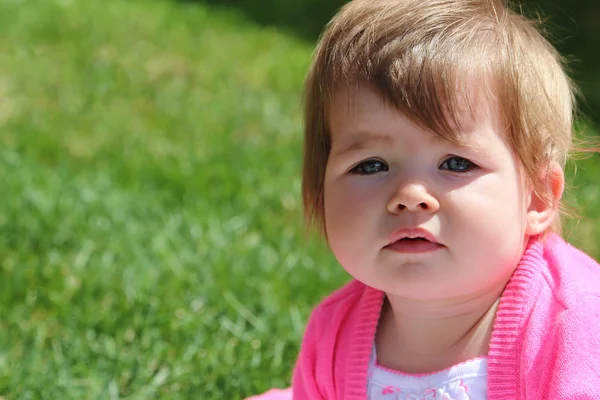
(386, 179)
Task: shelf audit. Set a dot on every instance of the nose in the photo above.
(413, 197)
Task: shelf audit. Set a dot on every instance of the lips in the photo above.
(413, 240)
(412, 233)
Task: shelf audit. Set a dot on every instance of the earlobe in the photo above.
(541, 212)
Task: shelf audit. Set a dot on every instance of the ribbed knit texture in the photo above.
(545, 342)
(362, 343)
(503, 365)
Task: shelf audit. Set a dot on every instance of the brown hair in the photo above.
(416, 53)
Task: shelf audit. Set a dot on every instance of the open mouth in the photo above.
(414, 240)
(413, 245)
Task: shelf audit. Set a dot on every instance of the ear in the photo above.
(541, 214)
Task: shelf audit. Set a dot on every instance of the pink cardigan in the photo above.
(545, 342)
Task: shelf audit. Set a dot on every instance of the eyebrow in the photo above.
(362, 141)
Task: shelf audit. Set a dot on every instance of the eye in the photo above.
(369, 167)
(458, 164)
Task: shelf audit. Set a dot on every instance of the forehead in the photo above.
(361, 101)
(360, 112)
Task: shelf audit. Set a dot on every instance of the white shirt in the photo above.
(464, 381)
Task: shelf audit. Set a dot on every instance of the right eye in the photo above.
(369, 167)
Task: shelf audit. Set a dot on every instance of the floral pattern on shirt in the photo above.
(452, 391)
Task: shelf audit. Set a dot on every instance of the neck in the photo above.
(420, 336)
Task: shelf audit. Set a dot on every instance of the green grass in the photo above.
(151, 242)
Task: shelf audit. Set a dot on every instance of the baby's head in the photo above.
(432, 60)
(436, 136)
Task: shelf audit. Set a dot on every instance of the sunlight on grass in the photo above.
(583, 194)
(152, 231)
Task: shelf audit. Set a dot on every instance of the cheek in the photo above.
(498, 193)
(493, 215)
(349, 209)
(490, 209)
(341, 206)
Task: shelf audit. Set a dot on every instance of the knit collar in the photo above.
(505, 346)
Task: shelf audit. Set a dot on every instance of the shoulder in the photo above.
(328, 339)
(561, 357)
(571, 287)
(562, 340)
(336, 307)
(349, 314)
(571, 273)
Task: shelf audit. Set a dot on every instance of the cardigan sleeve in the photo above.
(569, 365)
(305, 382)
(322, 364)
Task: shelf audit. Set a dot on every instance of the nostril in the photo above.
(423, 206)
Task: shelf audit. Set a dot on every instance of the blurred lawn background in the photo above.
(151, 241)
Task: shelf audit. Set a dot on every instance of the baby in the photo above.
(436, 136)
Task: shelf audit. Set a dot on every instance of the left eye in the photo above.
(458, 164)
